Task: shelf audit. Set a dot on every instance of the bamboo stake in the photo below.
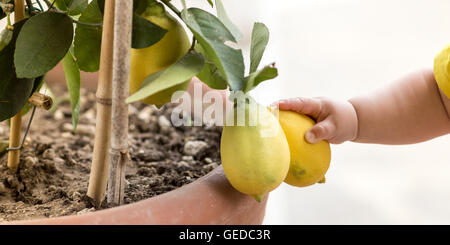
(100, 163)
(16, 121)
(121, 75)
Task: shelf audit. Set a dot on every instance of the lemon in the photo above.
(309, 162)
(255, 158)
(144, 62)
(442, 70)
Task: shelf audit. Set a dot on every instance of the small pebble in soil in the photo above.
(86, 210)
(195, 148)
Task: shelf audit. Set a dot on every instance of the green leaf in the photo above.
(73, 80)
(139, 6)
(211, 3)
(88, 40)
(7, 69)
(62, 4)
(186, 68)
(37, 84)
(5, 38)
(212, 35)
(260, 39)
(14, 96)
(223, 16)
(76, 7)
(210, 74)
(101, 5)
(145, 33)
(254, 79)
(73, 7)
(42, 43)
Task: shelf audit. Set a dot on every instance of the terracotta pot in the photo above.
(208, 200)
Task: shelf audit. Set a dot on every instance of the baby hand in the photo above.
(337, 121)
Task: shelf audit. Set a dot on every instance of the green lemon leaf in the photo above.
(42, 43)
(211, 3)
(14, 92)
(5, 38)
(223, 16)
(14, 96)
(101, 5)
(212, 35)
(7, 69)
(37, 85)
(62, 4)
(88, 39)
(260, 39)
(76, 7)
(145, 33)
(186, 68)
(254, 79)
(72, 7)
(210, 74)
(73, 80)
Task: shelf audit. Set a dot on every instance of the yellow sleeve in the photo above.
(442, 70)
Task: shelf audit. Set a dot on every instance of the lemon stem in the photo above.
(173, 8)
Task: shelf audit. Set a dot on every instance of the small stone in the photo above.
(43, 139)
(58, 160)
(2, 188)
(66, 135)
(76, 196)
(83, 129)
(163, 122)
(182, 164)
(86, 210)
(195, 148)
(29, 160)
(211, 166)
(145, 114)
(188, 158)
(51, 188)
(58, 115)
(49, 154)
(208, 160)
(89, 116)
(132, 110)
(67, 127)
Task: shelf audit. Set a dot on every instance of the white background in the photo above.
(339, 49)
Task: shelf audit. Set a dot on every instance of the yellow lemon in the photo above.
(309, 162)
(442, 70)
(172, 47)
(255, 158)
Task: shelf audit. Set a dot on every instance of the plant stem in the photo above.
(40, 5)
(173, 8)
(16, 121)
(121, 83)
(87, 24)
(29, 5)
(100, 163)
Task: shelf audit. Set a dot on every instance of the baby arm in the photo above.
(410, 110)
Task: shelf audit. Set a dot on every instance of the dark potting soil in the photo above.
(55, 163)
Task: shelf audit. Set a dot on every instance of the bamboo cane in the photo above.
(100, 163)
(121, 71)
(16, 121)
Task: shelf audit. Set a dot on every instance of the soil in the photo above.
(55, 162)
